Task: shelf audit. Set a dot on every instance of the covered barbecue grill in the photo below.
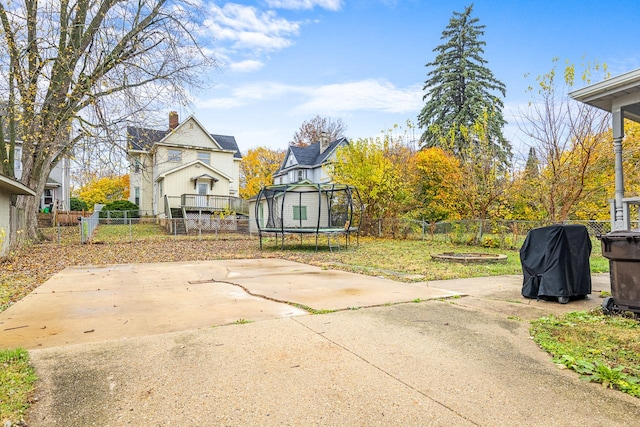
(555, 263)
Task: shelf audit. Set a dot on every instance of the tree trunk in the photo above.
(36, 179)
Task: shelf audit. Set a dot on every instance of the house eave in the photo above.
(194, 147)
(14, 187)
(620, 92)
(195, 162)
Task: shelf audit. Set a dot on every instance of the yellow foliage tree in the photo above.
(256, 169)
(437, 183)
(380, 169)
(573, 142)
(104, 190)
(631, 157)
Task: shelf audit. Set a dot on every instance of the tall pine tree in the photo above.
(460, 90)
(532, 168)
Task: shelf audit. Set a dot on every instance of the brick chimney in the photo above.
(324, 141)
(173, 120)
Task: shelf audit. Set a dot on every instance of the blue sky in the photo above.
(283, 62)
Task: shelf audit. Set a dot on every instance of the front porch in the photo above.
(619, 96)
(203, 213)
(206, 204)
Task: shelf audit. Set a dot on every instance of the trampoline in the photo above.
(331, 210)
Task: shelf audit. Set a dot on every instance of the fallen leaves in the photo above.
(33, 265)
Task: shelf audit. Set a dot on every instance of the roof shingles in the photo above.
(311, 155)
(142, 139)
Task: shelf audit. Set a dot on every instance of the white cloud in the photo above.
(246, 66)
(223, 103)
(305, 4)
(338, 98)
(245, 27)
(368, 95)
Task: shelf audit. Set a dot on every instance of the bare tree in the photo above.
(568, 138)
(311, 131)
(72, 67)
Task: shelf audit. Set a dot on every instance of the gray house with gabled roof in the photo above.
(308, 162)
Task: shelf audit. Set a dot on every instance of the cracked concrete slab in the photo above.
(323, 288)
(428, 364)
(98, 303)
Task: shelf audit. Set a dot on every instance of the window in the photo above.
(204, 157)
(48, 197)
(175, 156)
(135, 165)
(301, 174)
(136, 196)
(300, 213)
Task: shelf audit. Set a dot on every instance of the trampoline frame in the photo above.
(276, 224)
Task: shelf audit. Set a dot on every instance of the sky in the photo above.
(283, 62)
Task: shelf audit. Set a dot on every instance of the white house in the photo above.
(308, 162)
(58, 187)
(10, 218)
(183, 167)
(301, 165)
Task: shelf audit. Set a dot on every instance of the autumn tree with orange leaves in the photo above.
(257, 168)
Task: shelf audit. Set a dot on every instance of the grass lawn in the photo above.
(603, 349)
(17, 381)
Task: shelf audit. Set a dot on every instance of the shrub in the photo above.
(76, 204)
(117, 210)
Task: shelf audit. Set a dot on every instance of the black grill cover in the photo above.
(555, 262)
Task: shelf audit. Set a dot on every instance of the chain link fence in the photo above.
(116, 230)
(495, 233)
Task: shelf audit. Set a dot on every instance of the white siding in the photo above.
(191, 134)
(160, 176)
(142, 179)
(179, 182)
(308, 200)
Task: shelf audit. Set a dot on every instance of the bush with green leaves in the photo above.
(76, 204)
(120, 209)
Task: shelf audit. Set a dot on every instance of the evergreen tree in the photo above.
(460, 89)
(532, 168)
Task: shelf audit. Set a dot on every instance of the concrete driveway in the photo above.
(92, 304)
(137, 347)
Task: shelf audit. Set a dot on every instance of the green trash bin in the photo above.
(622, 248)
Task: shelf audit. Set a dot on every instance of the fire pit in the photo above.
(469, 257)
